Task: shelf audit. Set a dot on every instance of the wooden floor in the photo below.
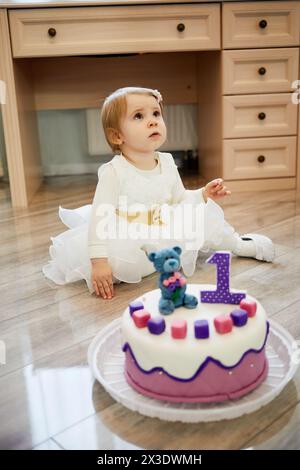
(48, 397)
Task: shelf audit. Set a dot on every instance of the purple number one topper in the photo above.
(222, 294)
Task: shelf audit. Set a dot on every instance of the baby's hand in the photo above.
(102, 278)
(215, 190)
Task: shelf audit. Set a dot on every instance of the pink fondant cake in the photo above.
(210, 353)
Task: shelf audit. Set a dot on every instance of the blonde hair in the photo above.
(115, 107)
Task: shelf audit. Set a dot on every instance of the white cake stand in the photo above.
(106, 360)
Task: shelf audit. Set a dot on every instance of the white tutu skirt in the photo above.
(201, 227)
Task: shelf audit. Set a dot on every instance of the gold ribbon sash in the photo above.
(150, 217)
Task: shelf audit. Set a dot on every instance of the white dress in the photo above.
(179, 217)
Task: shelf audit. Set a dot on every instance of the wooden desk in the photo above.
(56, 58)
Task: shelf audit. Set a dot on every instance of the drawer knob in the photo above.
(52, 32)
(261, 70)
(180, 27)
(262, 116)
(261, 158)
(263, 24)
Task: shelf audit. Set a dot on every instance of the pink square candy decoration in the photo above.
(178, 329)
(250, 306)
(223, 324)
(141, 318)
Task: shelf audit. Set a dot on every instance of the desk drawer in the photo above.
(259, 70)
(259, 115)
(105, 30)
(259, 158)
(260, 24)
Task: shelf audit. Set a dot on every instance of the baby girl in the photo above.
(137, 202)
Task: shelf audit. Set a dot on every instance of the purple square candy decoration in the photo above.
(156, 325)
(201, 329)
(239, 317)
(135, 305)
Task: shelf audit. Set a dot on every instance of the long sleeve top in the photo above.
(120, 178)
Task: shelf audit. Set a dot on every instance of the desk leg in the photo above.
(298, 143)
(19, 122)
(209, 78)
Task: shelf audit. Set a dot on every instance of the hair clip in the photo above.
(158, 95)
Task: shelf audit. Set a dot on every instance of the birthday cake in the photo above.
(194, 342)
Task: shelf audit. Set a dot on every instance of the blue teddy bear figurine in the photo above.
(171, 282)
